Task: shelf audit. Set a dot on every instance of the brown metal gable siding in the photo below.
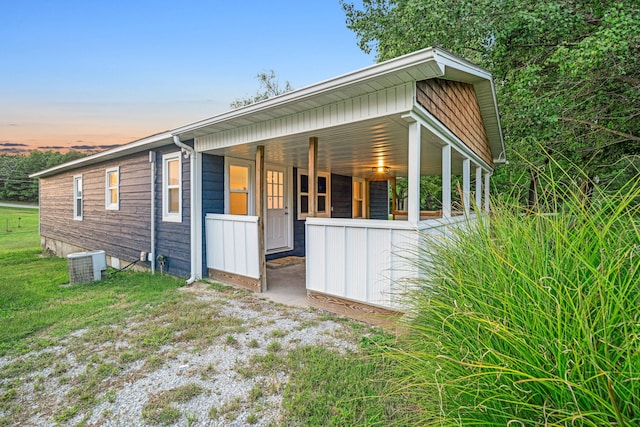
(455, 105)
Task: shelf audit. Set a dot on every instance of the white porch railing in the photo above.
(360, 260)
(366, 260)
(444, 226)
(232, 244)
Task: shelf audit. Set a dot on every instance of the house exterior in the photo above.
(220, 197)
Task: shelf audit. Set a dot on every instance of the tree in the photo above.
(15, 184)
(567, 72)
(269, 87)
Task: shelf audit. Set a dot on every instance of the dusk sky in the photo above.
(101, 73)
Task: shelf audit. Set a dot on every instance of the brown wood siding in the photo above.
(122, 233)
(455, 105)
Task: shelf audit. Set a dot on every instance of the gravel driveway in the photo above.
(199, 361)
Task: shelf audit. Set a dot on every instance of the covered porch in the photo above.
(351, 258)
(312, 174)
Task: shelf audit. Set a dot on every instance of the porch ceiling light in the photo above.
(381, 170)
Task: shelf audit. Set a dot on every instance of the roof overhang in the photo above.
(421, 65)
(137, 146)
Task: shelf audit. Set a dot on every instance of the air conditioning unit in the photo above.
(85, 267)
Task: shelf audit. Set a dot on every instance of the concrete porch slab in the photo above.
(286, 284)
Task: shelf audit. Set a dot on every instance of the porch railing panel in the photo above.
(368, 261)
(232, 244)
(360, 260)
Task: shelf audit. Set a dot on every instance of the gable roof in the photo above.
(421, 65)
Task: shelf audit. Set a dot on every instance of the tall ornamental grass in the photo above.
(530, 318)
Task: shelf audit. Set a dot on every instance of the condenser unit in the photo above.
(86, 267)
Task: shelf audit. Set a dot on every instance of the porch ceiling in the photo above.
(352, 149)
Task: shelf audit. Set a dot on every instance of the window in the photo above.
(275, 189)
(323, 189)
(359, 198)
(112, 189)
(77, 197)
(172, 187)
(239, 194)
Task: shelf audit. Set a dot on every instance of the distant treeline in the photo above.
(15, 184)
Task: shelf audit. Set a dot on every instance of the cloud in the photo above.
(52, 147)
(12, 150)
(83, 147)
(93, 147)
(12, 144)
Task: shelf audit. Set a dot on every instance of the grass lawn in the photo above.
(32, 300)
(18, 229)
(94, 340)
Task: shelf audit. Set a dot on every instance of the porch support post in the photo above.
(487, 175)
(260, 213)
(466, 186)
(313, 176)
(413, 175)
(478, 187)
(446, 181)
(394, 188)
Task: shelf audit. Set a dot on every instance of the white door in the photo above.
(277, 226)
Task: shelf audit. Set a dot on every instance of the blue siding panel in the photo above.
(379, 200)
(173, 238)
(341, 196)
(212, 194)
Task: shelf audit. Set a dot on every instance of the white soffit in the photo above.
(421, 65)
(415, 66)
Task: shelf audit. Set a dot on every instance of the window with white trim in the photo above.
(239, 188)
(359, 198)
(275, 189)
(172, 187)
(112, 189)
(77, 197)
(323, 194)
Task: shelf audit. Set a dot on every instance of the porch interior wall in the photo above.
(379, 200)
(341, 196)
(298, 228)
(341, 203)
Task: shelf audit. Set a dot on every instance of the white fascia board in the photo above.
(350, 79)
(123, 150)
(448, 59)
(502, 156)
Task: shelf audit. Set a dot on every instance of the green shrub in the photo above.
(530, 319)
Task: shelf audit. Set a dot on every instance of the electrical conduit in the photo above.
(152, 160)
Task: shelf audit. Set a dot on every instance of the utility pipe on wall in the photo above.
(191, 154)
(152, 160)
